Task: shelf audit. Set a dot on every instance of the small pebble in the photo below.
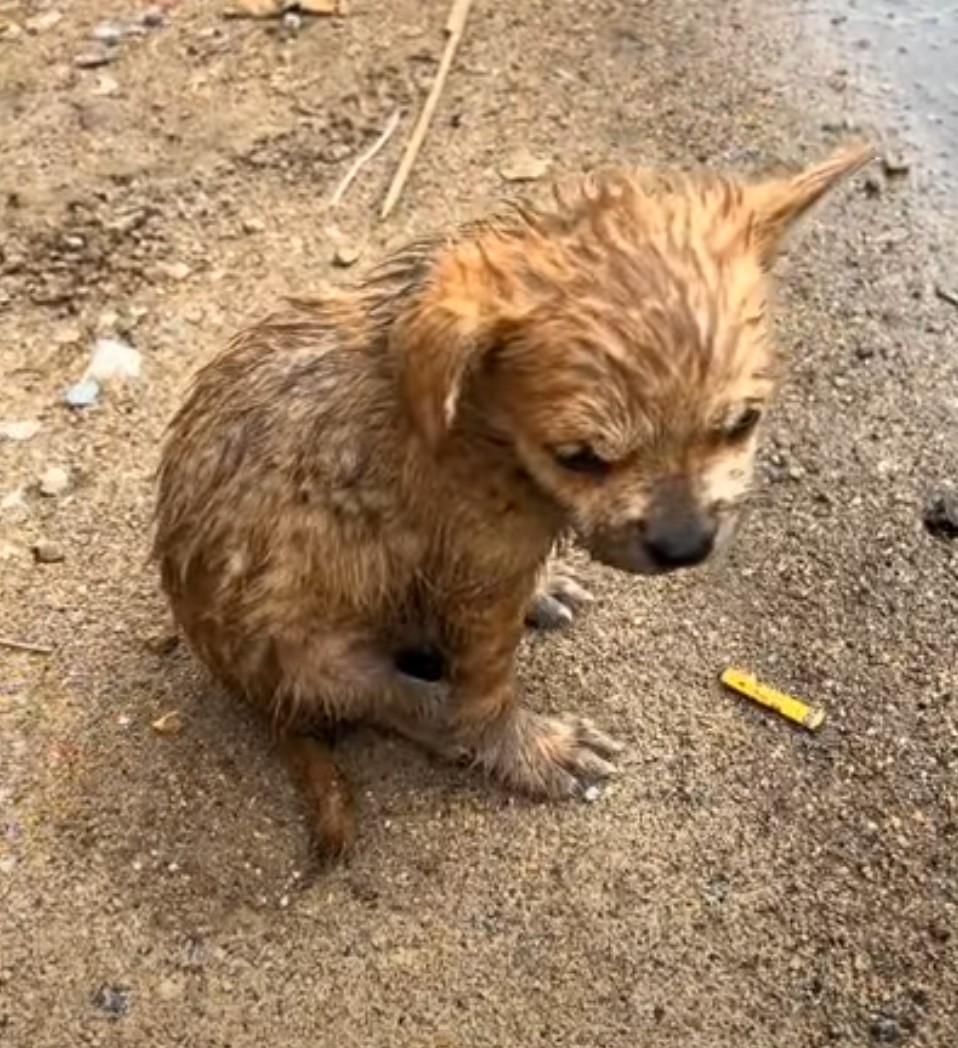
(292, 22)
(256, 8)
(941, 514)
(93, 58)
(169, 989)
(591, 794)
(321, 7)
(346, 255)
(54, 481)
(47, 552)
(895, 166)
(108, 33)
(113, 359)
(114, 1000)
(19, 429)
(253, 225)
(153, 18)
(83, 394)
(524, 167)
(885, 1030)
(42, 22)
(873, 185)
(169, 724)
(174, 270)
(106, 86)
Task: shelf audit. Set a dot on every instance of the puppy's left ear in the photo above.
(775, 206)
(444, 335)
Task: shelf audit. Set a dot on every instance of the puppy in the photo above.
(358, 499)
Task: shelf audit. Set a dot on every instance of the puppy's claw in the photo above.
(568, 590)
(557, 601)
(549, 613)
(555, 758)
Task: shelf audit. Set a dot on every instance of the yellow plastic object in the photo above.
(810, 717)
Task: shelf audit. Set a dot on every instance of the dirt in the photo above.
(743, 883)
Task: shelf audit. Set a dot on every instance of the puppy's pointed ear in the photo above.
(775, 206)
(444, 336)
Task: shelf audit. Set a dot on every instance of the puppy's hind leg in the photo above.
(330, 678)
(328, 798)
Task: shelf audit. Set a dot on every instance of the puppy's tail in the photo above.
(326, 793)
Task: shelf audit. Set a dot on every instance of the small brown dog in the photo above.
(358, 500)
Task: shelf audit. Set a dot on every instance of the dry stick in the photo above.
(19, 645)
(455, 26)
(364, 159)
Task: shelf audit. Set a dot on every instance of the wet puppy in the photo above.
(358, 500)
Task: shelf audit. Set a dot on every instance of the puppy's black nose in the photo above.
(680, 545)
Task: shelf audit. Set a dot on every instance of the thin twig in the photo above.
(364, 159)
(455, 27)
(19, 645)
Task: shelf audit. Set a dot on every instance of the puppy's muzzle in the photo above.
(675, 532)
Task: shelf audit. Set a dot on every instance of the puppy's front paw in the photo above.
(557, 601)
(553, 757)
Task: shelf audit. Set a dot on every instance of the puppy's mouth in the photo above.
(629, 556)
(637, 552)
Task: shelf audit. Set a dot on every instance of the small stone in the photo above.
(82, 394)
(591, 794)
(153, 18)
(169, 724)
(524, 167)
(93, 58)
(253, 225)
(13, 500)
(108, 33)
(864, 351)
(318, 7)
(346, 255)
(941, 514)
(886, 1030)
(46, 551)
(68, 335)
(169, 989)
(174, 270)
(873, 185)
(895, 165)
(162, 643)
(106, 86)
(54, 481)
(255, 9)
(114, 1000)
(292, 22)
(19, 429)
(42, 22)
(113, 359)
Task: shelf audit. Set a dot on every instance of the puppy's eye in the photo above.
(743, 425)
(580, 458)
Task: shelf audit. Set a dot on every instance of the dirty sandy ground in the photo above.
(742, 883)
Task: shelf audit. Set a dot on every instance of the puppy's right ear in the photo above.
(443, 336)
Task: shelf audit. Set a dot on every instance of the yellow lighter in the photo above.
(810, 717)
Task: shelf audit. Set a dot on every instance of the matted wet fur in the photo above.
(372, 482)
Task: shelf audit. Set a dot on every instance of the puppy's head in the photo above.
(619, 346)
